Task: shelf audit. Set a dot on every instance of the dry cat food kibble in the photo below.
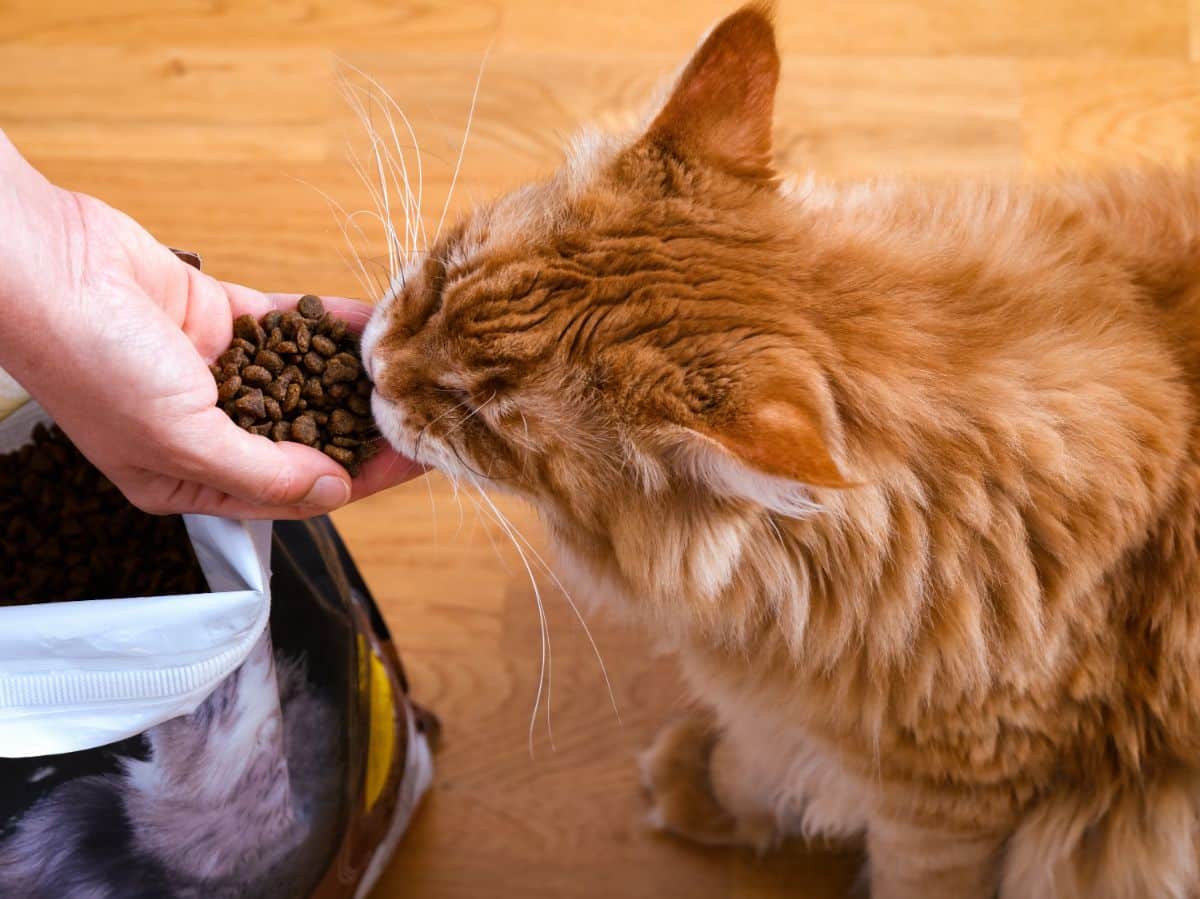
(68, 533)
(298, 376)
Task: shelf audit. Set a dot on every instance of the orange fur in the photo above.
(909, 473)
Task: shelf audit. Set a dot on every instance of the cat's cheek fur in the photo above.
(369, 341)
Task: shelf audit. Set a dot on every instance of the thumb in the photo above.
(259, 471)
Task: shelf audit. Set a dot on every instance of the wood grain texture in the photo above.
(221, 127)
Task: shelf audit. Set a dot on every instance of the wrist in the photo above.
(40, 251)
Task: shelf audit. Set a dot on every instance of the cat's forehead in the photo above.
(544, 207)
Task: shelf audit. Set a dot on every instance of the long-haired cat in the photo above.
(908, 473)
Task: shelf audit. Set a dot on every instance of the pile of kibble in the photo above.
(70, 534)
(298, 376)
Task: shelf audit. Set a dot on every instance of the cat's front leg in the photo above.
(703, 789)
(906, 861)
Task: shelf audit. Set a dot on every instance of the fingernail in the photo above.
(328, 493)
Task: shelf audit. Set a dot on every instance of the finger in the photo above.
(215, 452)
(191, 498)
(387, 469)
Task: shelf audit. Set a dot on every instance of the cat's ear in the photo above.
(722, 106)
(769, 454)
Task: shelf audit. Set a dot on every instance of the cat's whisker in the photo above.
(462, 149)
(457, 499)
(432, 510)
(546, 669)
(382, 213)
(411, 133)
(363, 114)
(425, 427)
(583, 623)
(397, 166)
(488, 531)
(337, 207)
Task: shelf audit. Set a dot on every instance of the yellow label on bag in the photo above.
(381, 749)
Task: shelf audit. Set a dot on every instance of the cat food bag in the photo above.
(253, 741)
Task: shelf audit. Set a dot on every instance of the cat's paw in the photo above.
(677, 772)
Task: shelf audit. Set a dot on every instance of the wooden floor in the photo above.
(220, 126)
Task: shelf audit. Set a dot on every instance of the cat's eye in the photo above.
(455, 395)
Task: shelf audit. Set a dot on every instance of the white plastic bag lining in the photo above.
(79, 674)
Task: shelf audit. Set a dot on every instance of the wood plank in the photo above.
(848, 27)
(1081, 114)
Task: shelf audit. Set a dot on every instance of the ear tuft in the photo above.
(722, 106)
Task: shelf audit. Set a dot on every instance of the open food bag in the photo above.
(255, 740)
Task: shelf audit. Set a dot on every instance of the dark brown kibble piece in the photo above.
(359, 405)
(304, 430)
(271, 321)
(281, 431)
(235, 357)
(270, 361)
(290, 322)
(342, 422)
(310, 306)
(303, 339)
(256, 375)
(244, 345)
(276, 390)
(342, 367)
(292, 398)
(245, 327)
(314, 392)
(338, 392)
(314, 363)
(275, 338)
(287, 347)
(262, 430)
(345, 441)
(340, 454)
(323, 345)
(228, 389)
(251, 404)
(272, 408)
(246, 421)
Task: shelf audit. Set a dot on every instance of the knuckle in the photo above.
(275, 491)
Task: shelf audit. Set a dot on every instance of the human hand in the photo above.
(113, 335)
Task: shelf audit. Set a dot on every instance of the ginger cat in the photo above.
(908, 473)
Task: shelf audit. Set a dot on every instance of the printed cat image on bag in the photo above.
(908, 473)
(216, 803)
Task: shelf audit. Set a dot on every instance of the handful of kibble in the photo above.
(70, 534)
(298, 376)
